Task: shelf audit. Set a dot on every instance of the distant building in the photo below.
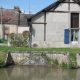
(57, 25)
(13, 21)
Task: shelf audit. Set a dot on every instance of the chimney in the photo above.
(17, 8)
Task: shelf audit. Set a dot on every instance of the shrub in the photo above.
(2, 40)
(19, 40)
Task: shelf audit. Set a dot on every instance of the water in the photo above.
(38, 73)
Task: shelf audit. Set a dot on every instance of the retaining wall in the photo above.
(35, 58)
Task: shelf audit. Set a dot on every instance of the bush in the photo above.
(19, 40)
(2, 40)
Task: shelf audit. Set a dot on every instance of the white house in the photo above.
(57, 25)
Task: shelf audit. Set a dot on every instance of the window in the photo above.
(6, 28)
(74, 26)
(74, 34)
(74, 20)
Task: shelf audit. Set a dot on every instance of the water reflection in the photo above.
(38, 73)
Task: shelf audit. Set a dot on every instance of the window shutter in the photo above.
(66, 36)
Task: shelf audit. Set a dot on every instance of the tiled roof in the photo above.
(13, 16)
(9, 16)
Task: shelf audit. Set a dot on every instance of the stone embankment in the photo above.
(35, 58)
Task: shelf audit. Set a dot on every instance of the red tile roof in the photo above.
(9, 16)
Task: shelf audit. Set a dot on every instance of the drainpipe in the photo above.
(29, 34)
(69, 19)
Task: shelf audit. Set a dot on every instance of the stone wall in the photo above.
(60, 56)
(78, 59)
(35, 58)
(16, 57)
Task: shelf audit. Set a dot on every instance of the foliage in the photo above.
(55, 62)
(19, 40)
(64, 65)
(2, 40)
(51, 61)
(2, 58)
(47, 58)
(16, 7)
(73, 56)
(72, 63)
(11, 36)
(1, 63)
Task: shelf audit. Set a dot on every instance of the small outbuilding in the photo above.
(57, 25)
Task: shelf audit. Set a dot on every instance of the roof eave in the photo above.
(48, 7)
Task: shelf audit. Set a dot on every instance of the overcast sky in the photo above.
(35, 5)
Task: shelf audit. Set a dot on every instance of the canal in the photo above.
(38, 73)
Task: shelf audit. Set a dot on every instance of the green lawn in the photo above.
(6, 48)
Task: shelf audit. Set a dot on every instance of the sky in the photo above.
(35, 5)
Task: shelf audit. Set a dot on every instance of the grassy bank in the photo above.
(2, 58)
(5, 48)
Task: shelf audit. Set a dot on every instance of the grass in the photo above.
(64, 65)
(72, 62)
(6, 48)
(2, 57)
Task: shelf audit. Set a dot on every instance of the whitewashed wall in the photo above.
(56, 24)
(37, 32)
(39, 18)
(21, 29)
(62, 7)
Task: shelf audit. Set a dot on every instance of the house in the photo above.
(57, 25)
(13, 21)
(10, 21)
